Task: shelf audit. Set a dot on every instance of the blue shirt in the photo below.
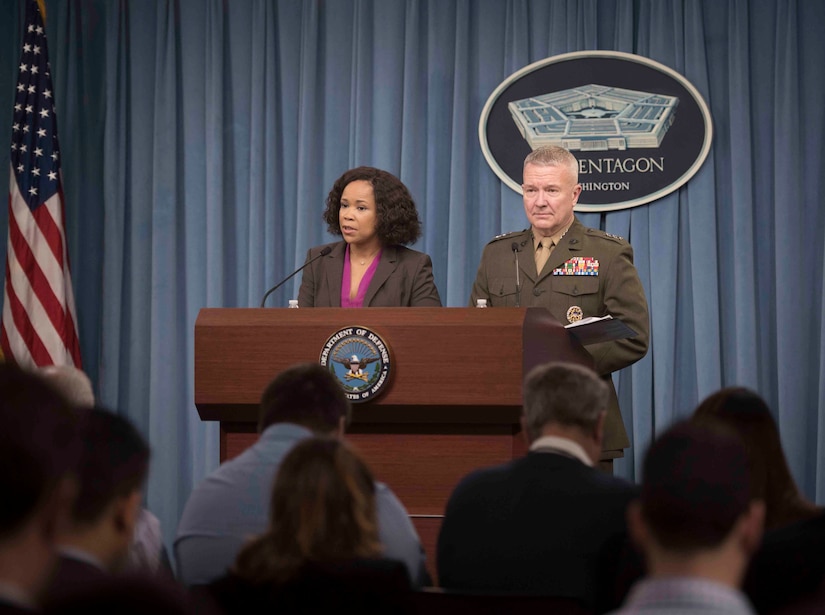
(231, 506)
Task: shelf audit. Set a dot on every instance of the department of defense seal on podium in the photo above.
(360, 361)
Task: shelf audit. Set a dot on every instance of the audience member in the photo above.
(131, 595)
(71, 382)
(748, 415)
(321, 551)
(112, 469)
(696, 522)
(545, 523)
(790, 564)
(789, 567)
(147, 552)
(38, 454)
(230, 505)
(810, 604)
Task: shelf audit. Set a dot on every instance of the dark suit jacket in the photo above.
(616, 290)
(540, 524)
(72, 576)
(403, 278)
(7, 608)
(129, 594)
(789, 565)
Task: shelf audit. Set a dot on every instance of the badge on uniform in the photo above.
(574, 314)
(579, 265)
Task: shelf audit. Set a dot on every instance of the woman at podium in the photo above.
(375, 214)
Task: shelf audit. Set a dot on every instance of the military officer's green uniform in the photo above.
(589, 273)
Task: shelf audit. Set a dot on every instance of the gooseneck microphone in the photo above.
(326, 250)
(515, 248)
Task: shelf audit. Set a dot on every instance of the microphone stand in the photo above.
(323, 252)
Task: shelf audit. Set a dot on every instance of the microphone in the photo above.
(326, 250)
(514, 247)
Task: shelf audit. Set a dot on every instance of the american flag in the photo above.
(39, 326)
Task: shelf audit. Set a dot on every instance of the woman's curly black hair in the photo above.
(397, 219)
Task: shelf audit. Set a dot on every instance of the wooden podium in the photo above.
(452, 404)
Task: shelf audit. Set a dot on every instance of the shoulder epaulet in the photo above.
(604, 235)
(505, 236)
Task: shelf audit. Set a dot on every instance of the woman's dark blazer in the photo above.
(403, 278)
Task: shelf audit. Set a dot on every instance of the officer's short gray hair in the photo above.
(553, 156)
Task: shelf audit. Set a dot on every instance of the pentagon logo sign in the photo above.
(360, 361)
(639, 129)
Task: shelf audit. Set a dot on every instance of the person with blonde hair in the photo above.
(321, 550)
(231, 504)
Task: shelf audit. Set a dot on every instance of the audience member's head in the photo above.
(696, 515)
(72, 383)
(322, 510)
(39, 450)
(748, 415)
(146, 553)
(112, 471)
(567, 400)
(307, 395)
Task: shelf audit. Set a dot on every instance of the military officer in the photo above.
(574, 271)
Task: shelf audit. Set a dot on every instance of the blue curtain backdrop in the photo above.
(200, 137)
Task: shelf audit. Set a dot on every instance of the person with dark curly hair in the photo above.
(376, 216)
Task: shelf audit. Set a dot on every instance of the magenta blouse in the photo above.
(346, 282)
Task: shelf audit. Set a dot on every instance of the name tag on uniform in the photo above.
(580, 265)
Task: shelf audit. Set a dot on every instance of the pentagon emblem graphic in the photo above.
(360, 361)
(639, 129)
